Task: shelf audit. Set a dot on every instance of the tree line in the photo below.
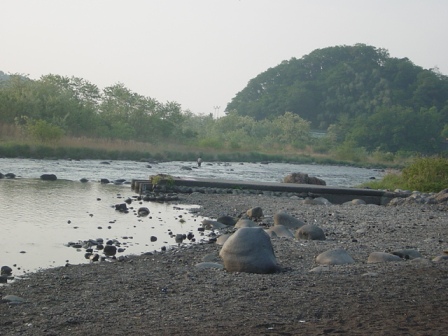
(364, 101)
(358, 94)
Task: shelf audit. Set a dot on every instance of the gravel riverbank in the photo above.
(166, 294)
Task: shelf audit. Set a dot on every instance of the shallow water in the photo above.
(38, 219)
(35, 214)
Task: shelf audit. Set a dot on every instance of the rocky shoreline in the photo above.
(168, 293)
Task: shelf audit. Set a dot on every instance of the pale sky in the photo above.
(201, 53)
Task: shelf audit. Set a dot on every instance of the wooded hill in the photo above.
(358, 93)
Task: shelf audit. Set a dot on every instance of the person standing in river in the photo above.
(199, 162)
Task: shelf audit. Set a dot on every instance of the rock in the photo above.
(440, 258)
(334, 257)
(256, 213)
(223, 238)
(153, 238)
(320, 201)
(186, 168)
(48, 177)
(10, 175)
(3, 278)
(249, 250)
(209, 265)
(379, 257)
(122, 207)
(179, 238)
(310, 232)
(105, 162)
(282, 218)
(280, 231)
(407, 254)
(355, 201)
(245, 223)
(227, 220)
(143, 211)
(302, 178)
(13, 299)
(110, 250)
(104, 181)
(84, 180)
(6, 270)
(1, 176)
(210, 224)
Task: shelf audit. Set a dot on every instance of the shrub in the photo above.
(428, 174)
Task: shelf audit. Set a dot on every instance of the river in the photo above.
(39, 218)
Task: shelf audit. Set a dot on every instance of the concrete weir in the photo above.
(336, 195)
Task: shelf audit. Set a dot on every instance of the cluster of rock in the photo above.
(246, 246)
(302, 178)
(7, 176)
(417, 197)
(93, 248)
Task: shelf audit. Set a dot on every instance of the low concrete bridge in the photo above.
(336, 195)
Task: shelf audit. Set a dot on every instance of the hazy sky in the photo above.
(200, 53)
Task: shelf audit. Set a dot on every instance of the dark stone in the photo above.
(227, 220)
(105, 162)
(6, 270)
(48, 177)
(302, 178)
(143, 211)
(104, 181)
(128, 201)
(1, 176)
(3, 279)
(110, 250)
(122, 207)
(153, 238)
(10, 175)
(84, 180)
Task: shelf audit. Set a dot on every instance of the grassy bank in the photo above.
(101, 149)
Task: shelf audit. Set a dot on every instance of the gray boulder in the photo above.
(223, 238)
(334, 257)
(249, 250)
(310, 232)
(285, 219)
(211, 224)
(245, 223)
(279, 231)
(227, 220)
(408, 254)
(256, 212)
(48, 177)
(380, 257)
(302, 178)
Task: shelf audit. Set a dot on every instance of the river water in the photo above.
(39, 218)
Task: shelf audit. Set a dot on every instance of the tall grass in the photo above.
(425, 174)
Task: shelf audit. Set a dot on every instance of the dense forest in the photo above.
(356, 93)
(365, 102)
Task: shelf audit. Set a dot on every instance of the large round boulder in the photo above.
(249, 250)
(310, 232)
(285, 219)
(380, 257)
(334, 257)
(279, 231)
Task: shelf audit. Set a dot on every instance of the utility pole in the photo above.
(216, 111)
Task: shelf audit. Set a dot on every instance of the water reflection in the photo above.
(39, 217)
